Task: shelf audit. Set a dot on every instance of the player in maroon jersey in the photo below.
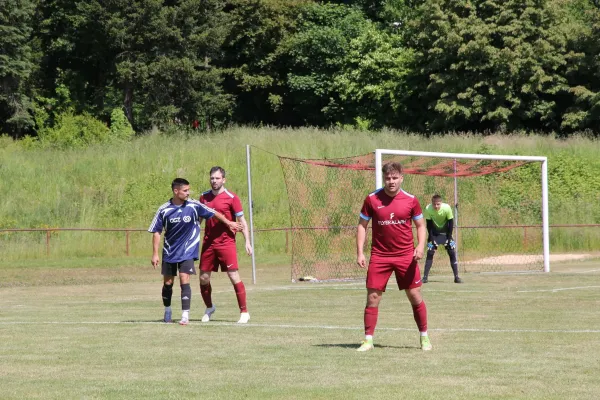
(392, 211)
(218, 248)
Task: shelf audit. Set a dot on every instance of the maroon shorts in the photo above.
(214, 257)
(406, 269)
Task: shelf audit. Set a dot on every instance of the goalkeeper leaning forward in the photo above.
(440, 223)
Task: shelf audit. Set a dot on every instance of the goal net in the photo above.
(499, 203)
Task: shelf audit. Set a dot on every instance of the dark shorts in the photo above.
(405, 268)
(170, 269)
(440, 239)
(214, 257)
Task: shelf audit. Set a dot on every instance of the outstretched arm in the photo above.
(232, 225)
(155, 245)
(242, 221)
(361, 236)
(430, 229)
(421, 233)
(450, 244)
(449, 228)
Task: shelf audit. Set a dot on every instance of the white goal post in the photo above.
(381, 153)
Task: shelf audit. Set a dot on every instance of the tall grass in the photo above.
(120, 186)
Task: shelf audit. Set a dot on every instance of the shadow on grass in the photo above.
(355, 346)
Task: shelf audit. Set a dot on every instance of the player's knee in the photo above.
(168, 281)
(234, 277)
(430, 253)
(414, 296)
(373, 298)
(204, 279)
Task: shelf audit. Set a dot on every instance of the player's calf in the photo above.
(186, 296)
(167, 293)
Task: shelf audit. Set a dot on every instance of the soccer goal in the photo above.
(500, 205)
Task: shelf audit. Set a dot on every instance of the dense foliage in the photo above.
(426, 65)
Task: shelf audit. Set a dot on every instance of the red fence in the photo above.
(286, 230)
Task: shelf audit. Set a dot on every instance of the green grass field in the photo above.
(89, 329)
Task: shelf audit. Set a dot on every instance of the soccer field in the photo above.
(93, 331)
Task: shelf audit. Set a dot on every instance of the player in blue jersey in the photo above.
(179, 218)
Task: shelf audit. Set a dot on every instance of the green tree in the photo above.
(581, 22)
(75, 57)
(486, 64)
(373, 80)
(386, 11)
(164, 58)
(313, 57)
(16, 65)
(253, 74)
(153, 58)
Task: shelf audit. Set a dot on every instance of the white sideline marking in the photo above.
(558, 289)
(339, 287)
(271, 289)
(579, 272)
(289, 326)
(463, 291)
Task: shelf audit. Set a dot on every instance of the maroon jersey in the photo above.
(228, 204)
(392, 222)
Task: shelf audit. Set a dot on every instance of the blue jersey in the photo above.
(182, 231)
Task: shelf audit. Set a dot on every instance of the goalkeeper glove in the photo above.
(431, 245)
(450, 244)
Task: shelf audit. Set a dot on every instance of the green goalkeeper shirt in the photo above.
(440, 218)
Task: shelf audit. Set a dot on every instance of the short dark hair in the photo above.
(179, 182)
(215, 169)
(436, 197)
(391, 166)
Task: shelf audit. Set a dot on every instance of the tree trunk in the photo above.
(128, 103)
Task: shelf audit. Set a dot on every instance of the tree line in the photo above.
(424, 65)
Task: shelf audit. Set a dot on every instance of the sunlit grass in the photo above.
(89, 328)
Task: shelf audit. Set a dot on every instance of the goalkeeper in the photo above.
(440, 223)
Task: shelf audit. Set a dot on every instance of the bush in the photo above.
(29, 142)
(74, 131)
(120, 128)
(5, 141)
